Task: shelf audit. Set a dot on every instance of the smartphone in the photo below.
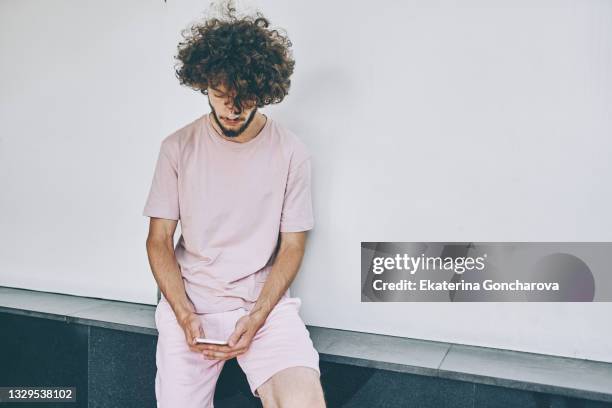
(202, 340)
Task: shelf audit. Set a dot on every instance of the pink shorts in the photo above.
(185, 379)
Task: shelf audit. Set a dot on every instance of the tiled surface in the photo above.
(121, 369)
(42, 352)
(120, 372)
(341, 382)
(488, 396)
(383, 352)
(42, 304)
(109, 314)
(132, 317)
(387, 389)
(571, 377)
(355, 387)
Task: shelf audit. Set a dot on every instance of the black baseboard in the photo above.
(114, 368)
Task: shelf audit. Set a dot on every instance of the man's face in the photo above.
(232, 120)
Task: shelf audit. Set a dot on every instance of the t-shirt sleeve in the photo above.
(163, 199)
(297, 207)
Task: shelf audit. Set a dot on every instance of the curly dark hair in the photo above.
(252, 60)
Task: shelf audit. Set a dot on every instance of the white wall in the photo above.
(429, 121)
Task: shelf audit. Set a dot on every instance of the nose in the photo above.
(233, 108)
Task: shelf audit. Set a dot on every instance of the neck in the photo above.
(256, 125)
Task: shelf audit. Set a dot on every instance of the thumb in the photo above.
(199, 332)
(196, 331)
(233, 339)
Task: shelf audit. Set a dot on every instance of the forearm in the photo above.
(168, 276)
(284, 269)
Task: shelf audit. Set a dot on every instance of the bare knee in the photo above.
(296, 387)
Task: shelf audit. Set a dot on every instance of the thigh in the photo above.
(293, 387)
(282, 342)
(184, 378)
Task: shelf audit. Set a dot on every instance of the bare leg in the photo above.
(294, 387)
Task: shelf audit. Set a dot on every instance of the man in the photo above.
(239, 182)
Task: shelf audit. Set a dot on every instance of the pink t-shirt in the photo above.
(232, 200)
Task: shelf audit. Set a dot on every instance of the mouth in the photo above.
(231, 121)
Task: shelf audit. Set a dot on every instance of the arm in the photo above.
(160, 250)
(284, 269)
(296, 220)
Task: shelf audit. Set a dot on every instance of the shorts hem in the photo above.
(279, 368)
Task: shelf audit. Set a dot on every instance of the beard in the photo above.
(230, 132)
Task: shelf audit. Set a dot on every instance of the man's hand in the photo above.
(239, 341)
(190, 322)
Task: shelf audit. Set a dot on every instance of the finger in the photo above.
(231, 356)
(238, 332)
(190, 335)
(197, 347)
(190, 339)
(243, 342)
(224, 354)
(235, 352)
(227, 356)
(216, 355)
(212, 347)
(202, 347)
(199, 332)
(193, 336)
(226, 351)
(223, 349)
(239, 352)
(216, 349)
